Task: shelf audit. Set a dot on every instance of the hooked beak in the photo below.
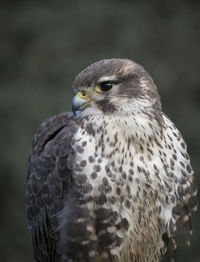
(80, 102)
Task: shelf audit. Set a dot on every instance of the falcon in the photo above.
(111, 181)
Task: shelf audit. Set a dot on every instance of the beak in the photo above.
(80, 102)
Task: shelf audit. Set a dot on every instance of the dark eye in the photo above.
(105, 86)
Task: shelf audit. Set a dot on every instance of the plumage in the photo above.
(113, 181)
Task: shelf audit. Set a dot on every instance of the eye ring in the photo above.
(106, 86)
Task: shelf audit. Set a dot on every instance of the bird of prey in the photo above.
(111, 181)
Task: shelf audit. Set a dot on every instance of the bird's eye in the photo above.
(105, 86)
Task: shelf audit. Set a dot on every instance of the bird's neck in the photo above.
(137, 128)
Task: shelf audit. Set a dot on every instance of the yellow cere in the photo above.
(84, 95)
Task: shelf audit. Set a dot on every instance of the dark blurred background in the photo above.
(44, 44)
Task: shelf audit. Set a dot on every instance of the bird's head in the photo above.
(114, 86)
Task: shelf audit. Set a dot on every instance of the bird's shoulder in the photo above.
(50, 128)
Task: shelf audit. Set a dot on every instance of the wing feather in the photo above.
(47, 179)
